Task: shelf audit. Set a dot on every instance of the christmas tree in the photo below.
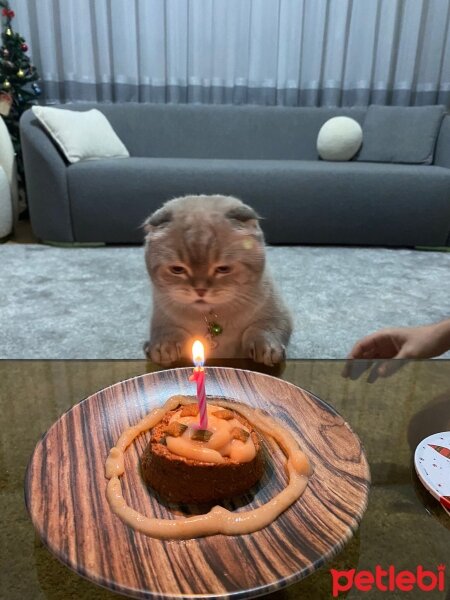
(18, 85)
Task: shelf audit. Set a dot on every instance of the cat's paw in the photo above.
(269, 352)
(163, 352)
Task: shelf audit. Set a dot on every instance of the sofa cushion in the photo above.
(302, 202)
(401, 134)
(85, 135)
(223, 132)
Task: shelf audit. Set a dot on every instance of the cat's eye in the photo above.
(223, 269)
(177, 269)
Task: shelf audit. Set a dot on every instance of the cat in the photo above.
(205, 256)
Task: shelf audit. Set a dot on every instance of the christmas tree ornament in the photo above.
(24, 47)
(36, 88)
(8, 31)
(20, 73)
(5, 52)
(6, 84)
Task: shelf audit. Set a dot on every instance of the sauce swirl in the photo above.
(218, 519)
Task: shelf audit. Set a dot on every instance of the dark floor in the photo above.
(23, 234)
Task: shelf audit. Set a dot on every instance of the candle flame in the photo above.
(198, 353)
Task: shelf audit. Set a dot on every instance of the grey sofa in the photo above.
(265, 156)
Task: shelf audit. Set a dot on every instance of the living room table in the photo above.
(403, 527)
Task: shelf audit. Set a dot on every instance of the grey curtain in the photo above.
(291, 52)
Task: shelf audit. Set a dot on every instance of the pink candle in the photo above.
(198, 375)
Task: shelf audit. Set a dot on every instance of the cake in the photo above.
(185, 464)
(174, 464)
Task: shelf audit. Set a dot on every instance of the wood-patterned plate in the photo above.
(65, 494)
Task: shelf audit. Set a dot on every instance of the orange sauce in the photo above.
(218, 519)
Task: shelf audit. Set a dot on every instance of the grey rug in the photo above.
(95, 302)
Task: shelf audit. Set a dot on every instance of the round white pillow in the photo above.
(339, 138)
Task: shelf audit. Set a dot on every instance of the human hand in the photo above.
(401, 343)
(425, 341)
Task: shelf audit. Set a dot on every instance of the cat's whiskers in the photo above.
(247, 296)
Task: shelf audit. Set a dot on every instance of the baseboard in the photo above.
(74, 244)
(433, 248)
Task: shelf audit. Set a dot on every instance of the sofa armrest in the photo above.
(9, 165)
(6, 205)
(442, 152)
(46, 180)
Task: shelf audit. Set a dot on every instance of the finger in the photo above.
(347, 368)
(353, 369)
(374, 373)
(404, 353)
(365, 348)
(383, 369)
(389, 367)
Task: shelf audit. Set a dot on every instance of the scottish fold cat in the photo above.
(206, 259)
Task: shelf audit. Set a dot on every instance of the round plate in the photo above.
(65, 494)
(432, 463)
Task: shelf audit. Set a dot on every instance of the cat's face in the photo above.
(204, 251)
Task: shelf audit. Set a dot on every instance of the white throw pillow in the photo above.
(85, 135)
(339, 138)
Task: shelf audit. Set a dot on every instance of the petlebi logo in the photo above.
(388, 580)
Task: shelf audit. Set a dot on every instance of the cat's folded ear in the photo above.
(244, 217)
(242, 213)
(159, 219)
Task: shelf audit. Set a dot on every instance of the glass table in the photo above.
(404, 526)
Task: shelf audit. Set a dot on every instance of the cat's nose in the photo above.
(200, 292)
